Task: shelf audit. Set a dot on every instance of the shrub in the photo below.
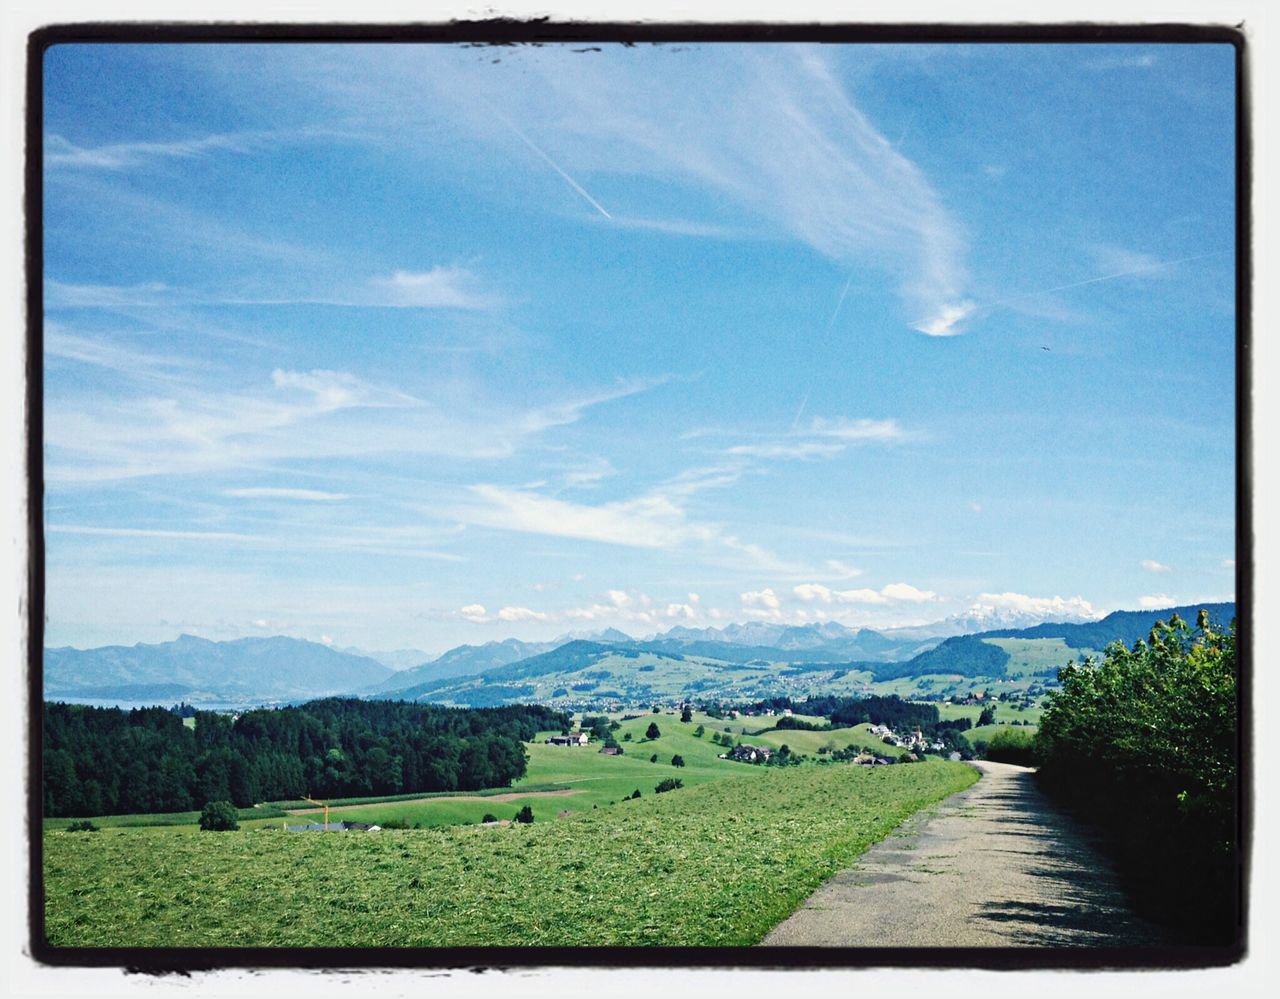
(84, 825)
(1145, 743)
(652, 732)
(219, 816)
(635, 793)
(699, 732)
(653, 758)
(489, 817)
(396, 824)
(677, 760)
(525, 815)
(1011, 746)
(670, 784)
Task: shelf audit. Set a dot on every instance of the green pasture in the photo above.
(715, 864)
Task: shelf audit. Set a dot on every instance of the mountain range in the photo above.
(739, 659)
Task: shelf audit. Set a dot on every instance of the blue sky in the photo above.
(415, 346)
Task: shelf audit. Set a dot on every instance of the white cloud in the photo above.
(907, 592)
(618, 598)
(892, 593)
(799, 449)
(440, 287)
(1046, 607)
(1151, 565)
(474, 613)
(975, 506)
(1156, 601)
(305, 495)
(512, 614)
(946, 321)
(858, 430)
(654, 520)
(761, 598)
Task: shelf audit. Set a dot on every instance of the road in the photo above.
(997, 865)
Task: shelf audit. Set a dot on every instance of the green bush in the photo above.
(1145, 743)
(1008, 745)
(219, 816)
(84, 825)
(525, 814)
(489, 817)
(670, 784)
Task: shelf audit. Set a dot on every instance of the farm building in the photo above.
(573, 739)
(335, 827)
(751, 754)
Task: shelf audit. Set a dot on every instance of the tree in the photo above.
(653, 758)
(626, 736)
(670, 784)
(219, 816)
(1145, 742)
(988, 716)
(489, 817)
(635, 793)
(699, 732)
(652, 732)
(677, 760)
(525, 815)
(686, 715)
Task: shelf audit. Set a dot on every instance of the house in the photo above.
(750, 754)
(572, 739)
(611, 750)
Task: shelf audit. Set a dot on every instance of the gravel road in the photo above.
(997, 865)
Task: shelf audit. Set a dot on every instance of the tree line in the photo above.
(103, 761)
(1145, 743)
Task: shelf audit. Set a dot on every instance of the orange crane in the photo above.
(322, 805)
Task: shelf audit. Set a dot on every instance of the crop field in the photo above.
(715, 864)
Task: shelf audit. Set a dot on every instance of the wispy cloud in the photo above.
(1151, 565)
(823, 438)
(653, 520)
(1156, 601)
(61, 153)
(268, 492)
(304, 415)
(782, 143)
(440, 287)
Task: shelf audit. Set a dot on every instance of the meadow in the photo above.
(719, 862)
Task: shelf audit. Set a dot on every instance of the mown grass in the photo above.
(715, 864)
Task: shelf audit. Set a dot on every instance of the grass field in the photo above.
(716, 864)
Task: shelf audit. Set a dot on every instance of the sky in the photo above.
(412, 346)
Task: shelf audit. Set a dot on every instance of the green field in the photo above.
(716, 864)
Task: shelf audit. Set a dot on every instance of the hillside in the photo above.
(197, 670)
(591, 673)
(1118, 626)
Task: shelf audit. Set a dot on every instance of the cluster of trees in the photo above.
(100, 761)
(1146, 743)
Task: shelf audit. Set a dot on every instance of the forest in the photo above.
(105, 761)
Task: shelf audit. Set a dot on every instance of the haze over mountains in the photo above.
(277, 669)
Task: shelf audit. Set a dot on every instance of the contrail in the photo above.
(549, 161)
(826, 333)
(1158, 265)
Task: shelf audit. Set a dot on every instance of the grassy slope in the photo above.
(719, 863)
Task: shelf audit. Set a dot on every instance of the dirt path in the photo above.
(997, 865)
(456, 797)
